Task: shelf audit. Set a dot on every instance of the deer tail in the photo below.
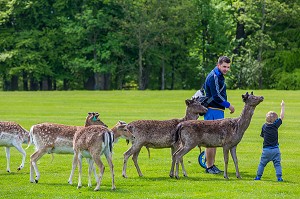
(52, 157)
(177, 134)
(108, 138)
(148, 151)
(30, 137)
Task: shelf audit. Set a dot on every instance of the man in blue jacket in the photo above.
(215, 88)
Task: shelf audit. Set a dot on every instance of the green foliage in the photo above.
(288, 81)
(71, 108)
(166, 44)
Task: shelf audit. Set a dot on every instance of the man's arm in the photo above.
(216, 94)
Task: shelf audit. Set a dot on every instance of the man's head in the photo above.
(271, 117)
(223, 64)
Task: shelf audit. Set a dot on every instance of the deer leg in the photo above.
(21, 150)
(178, 157)
(225, 153)
(79, 162)
(111, 167)
(99, 163)
(171, 174)
(74, 165)
(7, 152)
(135, 160)
(33, 165)
(127, 154)
(173, 165)
(91, 169)
(176, 164)
(235, 160)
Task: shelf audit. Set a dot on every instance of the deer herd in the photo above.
(95, 138)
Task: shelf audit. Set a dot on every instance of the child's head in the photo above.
(271, 117)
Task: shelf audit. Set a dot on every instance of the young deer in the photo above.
(55, 138)
(226, 133)
(13, 135)
(92, 142)
(158, 134)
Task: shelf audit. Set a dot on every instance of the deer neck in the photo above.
(245, 118)
(190, 116)
(116, 134)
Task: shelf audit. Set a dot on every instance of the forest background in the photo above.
(147, 44)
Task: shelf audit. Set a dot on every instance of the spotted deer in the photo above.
(92, 142)
(55, 138)
(226, 133)
(158, 133)
(13, 135)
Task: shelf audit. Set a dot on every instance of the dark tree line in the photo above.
(142, 44)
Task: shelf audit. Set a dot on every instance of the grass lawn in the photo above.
(71, 108)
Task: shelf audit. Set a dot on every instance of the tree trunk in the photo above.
(119, 78)
(90, 83)
(6, 83)
(162, 75)
(172, 76)
(14, 83)
(240, 36)
(33, 84)
(25, 81)
(66, 84)
(105, 81)
(46, 84)
(98, 81)
(141, 71)
(259, 59)
(54, 85)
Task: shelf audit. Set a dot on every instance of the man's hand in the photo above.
(231, 108)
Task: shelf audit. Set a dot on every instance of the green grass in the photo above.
(29, 108)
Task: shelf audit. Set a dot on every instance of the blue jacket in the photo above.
(213, 85)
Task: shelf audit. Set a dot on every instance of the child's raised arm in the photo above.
(282, 110)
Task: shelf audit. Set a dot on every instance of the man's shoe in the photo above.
(279, 179)
(212, 170)
(257, 178)
(216, 169)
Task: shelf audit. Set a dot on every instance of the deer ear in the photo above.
(129, 127)
(251, 92)
(194, 99)
(188, 102)
(245, 96)
(122, 123)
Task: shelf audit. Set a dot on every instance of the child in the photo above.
(271, 150)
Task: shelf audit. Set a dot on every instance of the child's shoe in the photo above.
(279, 179)
(257, 178)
